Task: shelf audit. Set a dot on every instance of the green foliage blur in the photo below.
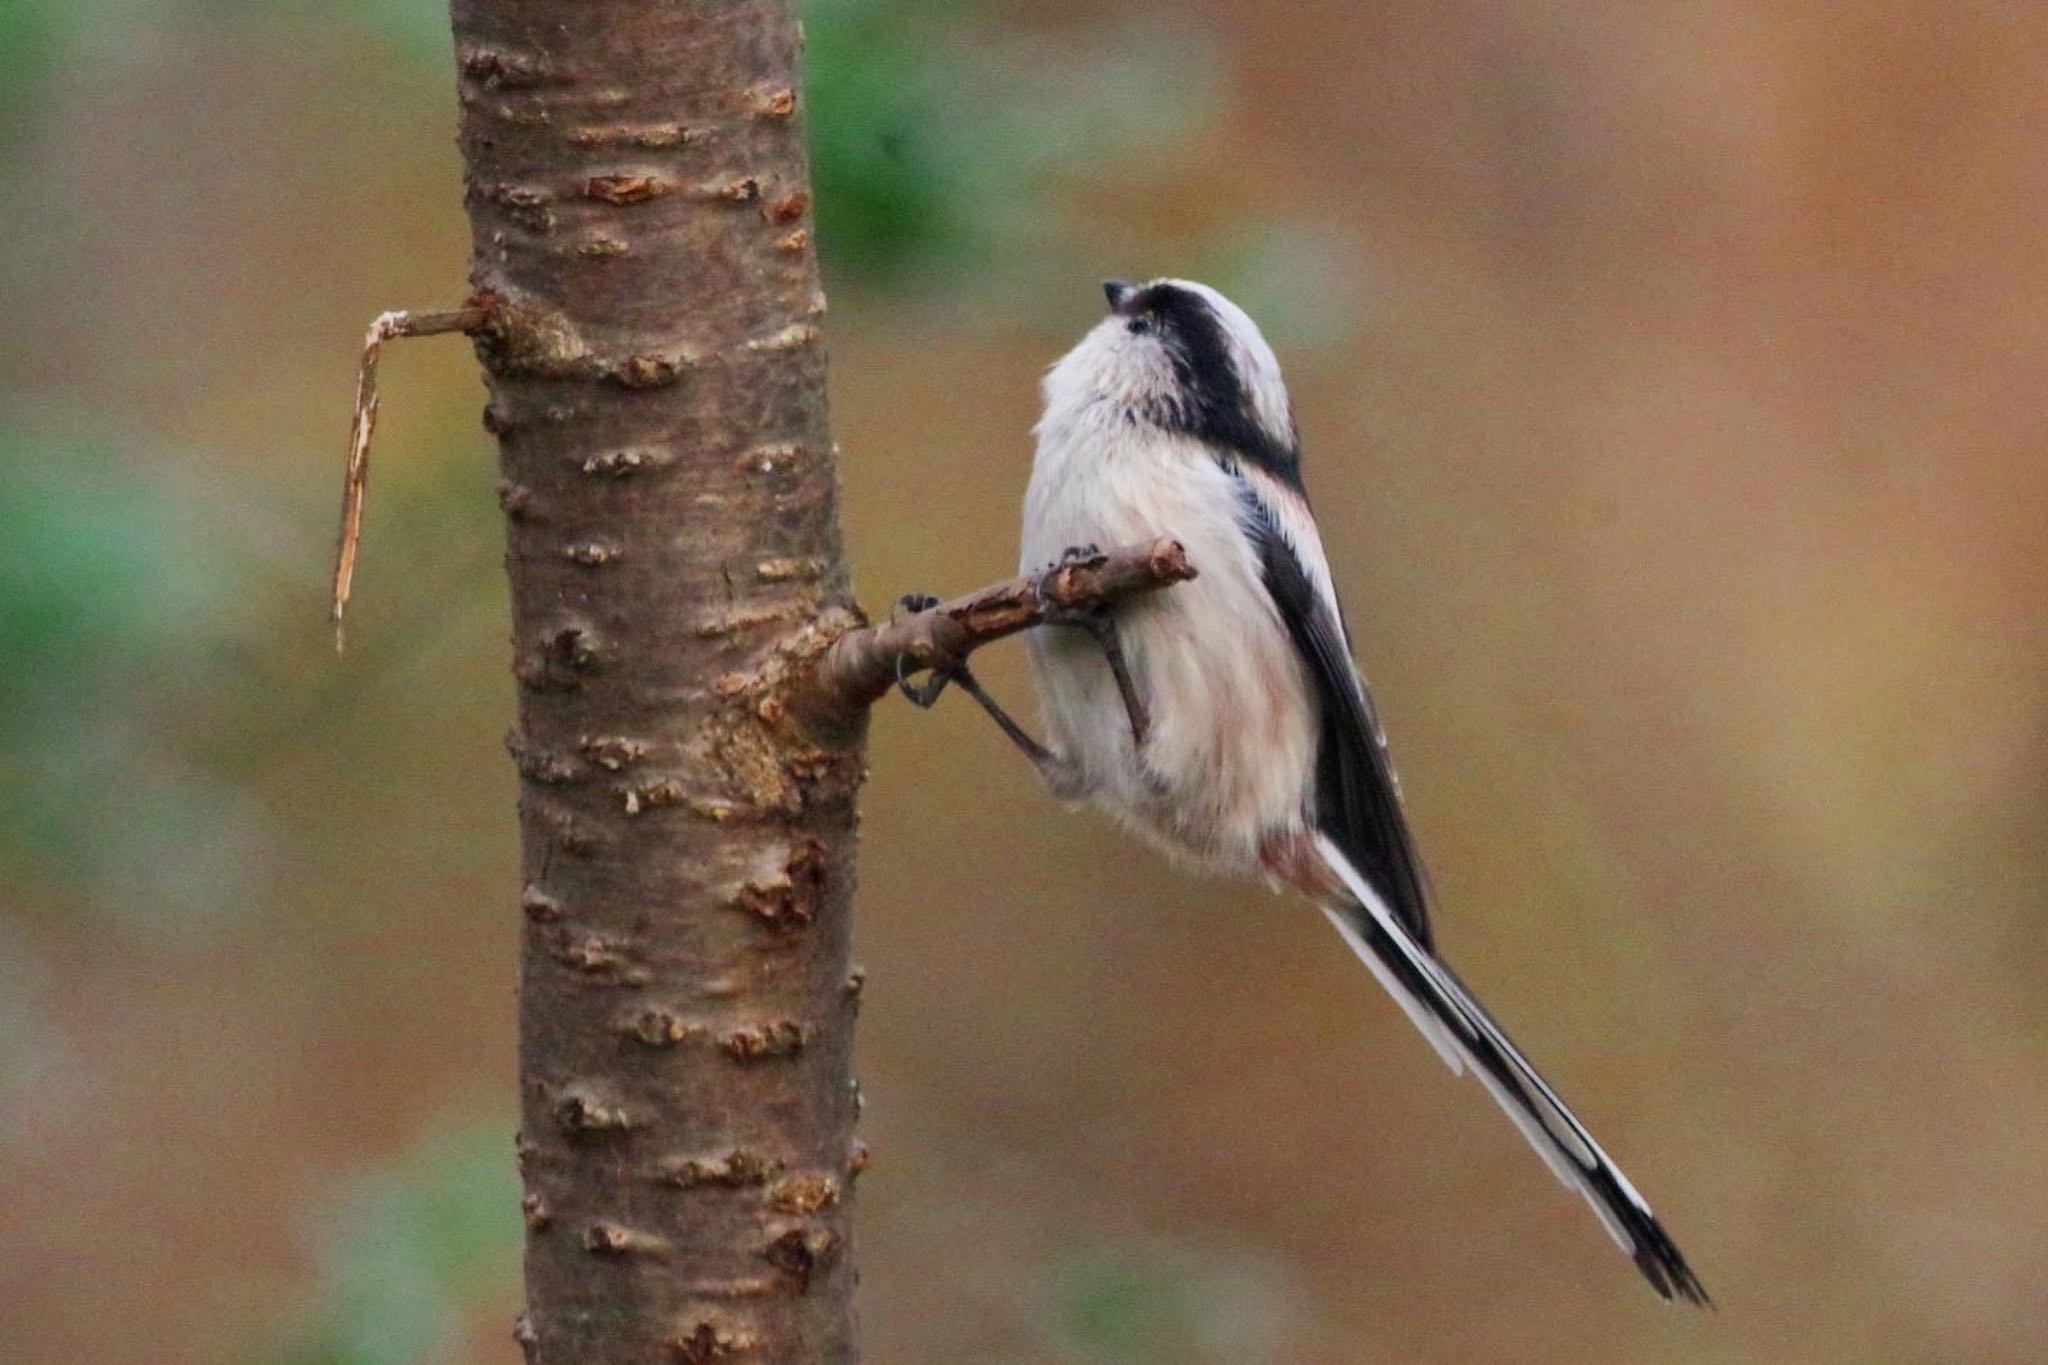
(112, 598)
(408, 1252)
(933, 134)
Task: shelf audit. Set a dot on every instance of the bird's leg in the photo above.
(1057, 772)
(1045, 760)
(1097, 623)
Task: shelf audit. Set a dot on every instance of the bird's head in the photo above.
(1180, 357)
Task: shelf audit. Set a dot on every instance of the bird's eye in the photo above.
(1138, 327)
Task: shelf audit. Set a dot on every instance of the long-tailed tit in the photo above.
(1224, 720)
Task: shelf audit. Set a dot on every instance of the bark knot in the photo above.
(804, 1192)
(657, 1026)
(801, 1253)
(787, 209)
(737, 1169)
(644, 371)
(517, 500)
(609, 1239)
(612, 752)
(580, 1113)
(538, 905)
(498, 68)
(560, 660)
(666, 791)
(539, 765)
(708, 1342)
(625, 188)
(776, 102)
(788, 901)
(775, 1038)
(618, 464)
(594, 955)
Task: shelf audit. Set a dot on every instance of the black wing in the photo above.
(1358, 804)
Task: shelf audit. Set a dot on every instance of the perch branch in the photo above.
(387, 327)
(864, 664)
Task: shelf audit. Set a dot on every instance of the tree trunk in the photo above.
(639, 198)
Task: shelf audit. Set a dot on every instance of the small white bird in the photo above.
(1224, 720)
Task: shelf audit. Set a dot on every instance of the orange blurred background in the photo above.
(1670, 375)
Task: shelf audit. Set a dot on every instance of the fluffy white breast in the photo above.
(1230, 761)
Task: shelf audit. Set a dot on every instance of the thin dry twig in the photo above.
(388, 326)
(862, 665)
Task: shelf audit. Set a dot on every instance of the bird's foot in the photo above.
(923, 695)
(1060, 775)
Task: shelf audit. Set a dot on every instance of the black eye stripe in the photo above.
(1214, 403)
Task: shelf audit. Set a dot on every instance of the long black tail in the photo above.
(1461, 1030)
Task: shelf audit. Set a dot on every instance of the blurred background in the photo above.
(1671, 375)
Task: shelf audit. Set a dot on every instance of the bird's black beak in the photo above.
(1116, 291)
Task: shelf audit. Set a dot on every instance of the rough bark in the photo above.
(639, 199)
